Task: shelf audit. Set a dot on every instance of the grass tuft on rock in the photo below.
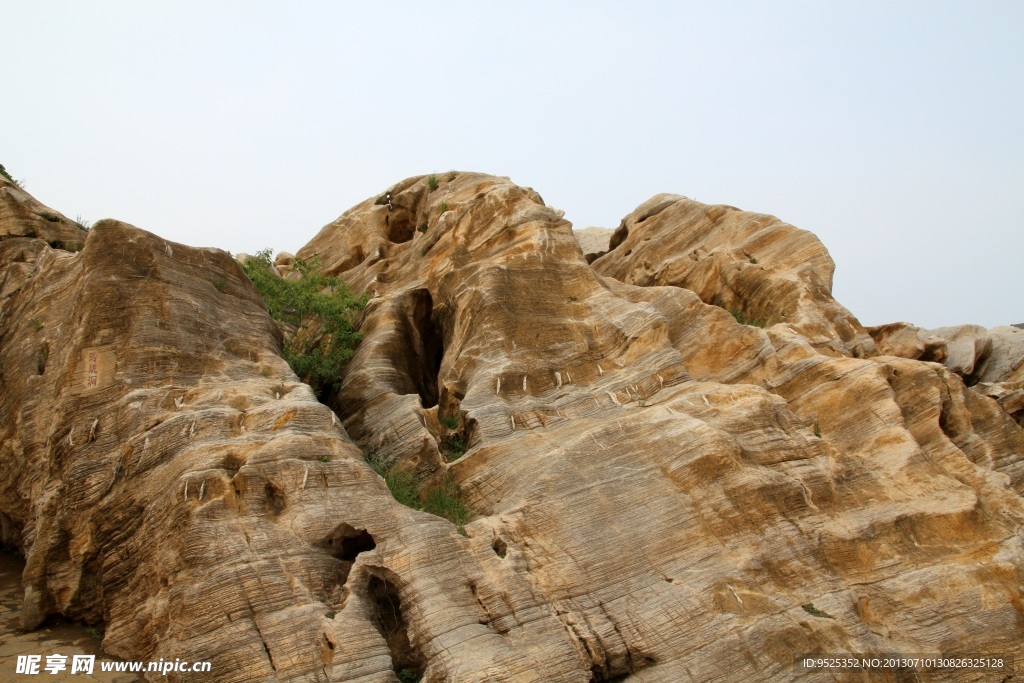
(442, 499)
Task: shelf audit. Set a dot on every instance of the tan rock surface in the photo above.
(766, 271)
(656, 465)
(990, 361)
(593, 241)
(660, 492)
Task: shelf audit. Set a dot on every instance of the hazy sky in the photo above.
(892, 130)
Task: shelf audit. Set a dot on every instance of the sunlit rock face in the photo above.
(659, 492)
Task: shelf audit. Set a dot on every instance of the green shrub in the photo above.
(381, 200)
(444, 207)
(450, 422)
(432, 181)
(456, 447)
(5, 174)
(814, 611)
(317, 314)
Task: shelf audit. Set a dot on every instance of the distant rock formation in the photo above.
(593, 241)
(659, 491)
(989, 361)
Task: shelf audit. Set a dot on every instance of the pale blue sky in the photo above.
(893, 130)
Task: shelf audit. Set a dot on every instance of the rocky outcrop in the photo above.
(990, 361)
(593, 241)
(680, 487)
(766, 272)
(659, 492)
(168, 478)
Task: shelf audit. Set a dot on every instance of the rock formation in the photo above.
(593, 241)
(989, 361)
(659, 491)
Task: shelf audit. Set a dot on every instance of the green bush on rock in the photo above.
(317, 314)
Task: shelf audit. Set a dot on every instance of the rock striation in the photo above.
(989, 361)
(660, 492)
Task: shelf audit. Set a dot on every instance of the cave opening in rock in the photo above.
(383, 592)
(346, 542)
(400, 226)
(428, 346)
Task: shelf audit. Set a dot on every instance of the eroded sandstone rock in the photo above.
(677, 485)
(659, 492)
(768, 273)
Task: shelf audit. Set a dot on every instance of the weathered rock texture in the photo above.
(990, 361)
(593, 241)
(762, 269)
(660, 492)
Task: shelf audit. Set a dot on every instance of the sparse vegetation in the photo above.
(381, 200)
(754, 321)
(817, 429)
(94, 632)
(450, 422)
(451, 176)
(221, 283)
(443, 499)
(422, 228)
(5, 174)
(82, 223)
(317, 314)
(403, 487)
(432, 181)
(52, 217)
(815, 612)
(444, 206)
(408, 676)
(456, 447)
(36, 325)
(325, 458)
(753, 260)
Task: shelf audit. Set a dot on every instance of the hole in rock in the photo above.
(41, 357)
(384, 597)
(275, 498)
(500, 547)
(346, 542)
(400, 226)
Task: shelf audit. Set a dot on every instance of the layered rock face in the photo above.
(990, 361)
(659, 492)
(767, 272)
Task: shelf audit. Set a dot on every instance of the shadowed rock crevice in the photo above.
(386, 603)
(427, 352)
